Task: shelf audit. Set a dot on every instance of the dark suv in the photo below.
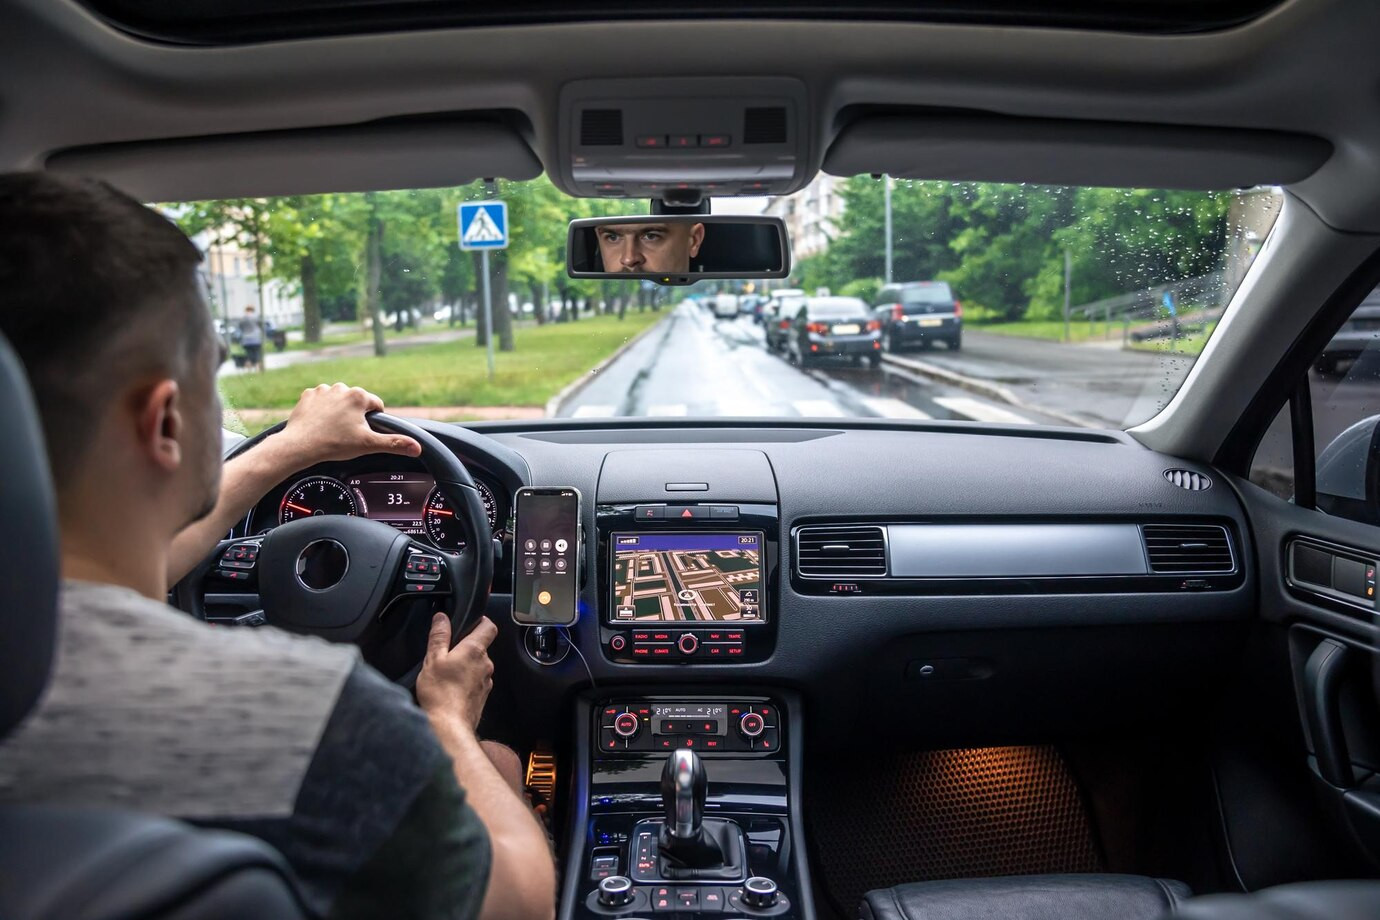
(919, 313)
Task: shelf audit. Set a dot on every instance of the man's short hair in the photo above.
(95, 290)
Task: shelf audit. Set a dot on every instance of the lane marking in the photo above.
(662, 409)
(893, 408)
(593, 412)
(818, 408)
(981, 411)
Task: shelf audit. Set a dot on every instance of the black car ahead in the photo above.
(919, 313)
(828, 326)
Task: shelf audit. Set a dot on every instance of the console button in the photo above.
(759, 892)
(723, 512)
(688, 644)
(711, 900)
(663, 900)
(615, 891)
(625, 725)
(650, 512)
(618, 643)
(688, 898)
(752, 724)
(686, 512)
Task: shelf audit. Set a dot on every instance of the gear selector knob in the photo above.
(684, 785)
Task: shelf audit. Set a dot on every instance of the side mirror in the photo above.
(675, 249)
(1348, 473)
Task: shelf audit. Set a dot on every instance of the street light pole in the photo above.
(886, 196)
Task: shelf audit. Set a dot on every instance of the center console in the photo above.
(686, 806)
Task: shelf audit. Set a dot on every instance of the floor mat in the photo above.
(943, 814)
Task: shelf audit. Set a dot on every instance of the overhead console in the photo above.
(654, 138)
(688, 548)
(1014, 557)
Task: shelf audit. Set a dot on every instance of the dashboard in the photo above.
(923, 583)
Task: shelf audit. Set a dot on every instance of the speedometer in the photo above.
(316, 495)
(441, 525)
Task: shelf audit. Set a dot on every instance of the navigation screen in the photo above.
(685, 576)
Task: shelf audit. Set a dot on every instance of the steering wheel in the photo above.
(335, 575)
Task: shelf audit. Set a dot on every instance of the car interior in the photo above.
(987, 670)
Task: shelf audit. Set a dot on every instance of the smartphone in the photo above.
(546, 556)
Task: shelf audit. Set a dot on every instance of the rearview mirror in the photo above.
(678, 248)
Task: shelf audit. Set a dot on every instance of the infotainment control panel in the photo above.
(687, 583)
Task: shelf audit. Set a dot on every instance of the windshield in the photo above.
(1001, 303)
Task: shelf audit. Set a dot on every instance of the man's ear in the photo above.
(159, 414)
(696, 239)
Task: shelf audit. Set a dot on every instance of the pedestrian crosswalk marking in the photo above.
(893, 408)
(664, 409)
(818, 408)
(593, 412)
(980, 411)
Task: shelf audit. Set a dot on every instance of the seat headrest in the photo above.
(29, 538)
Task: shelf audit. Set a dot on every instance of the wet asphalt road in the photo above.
(697, 366)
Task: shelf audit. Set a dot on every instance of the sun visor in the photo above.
(985, 148)
(357, 158)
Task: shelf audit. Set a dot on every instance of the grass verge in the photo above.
(454, 373)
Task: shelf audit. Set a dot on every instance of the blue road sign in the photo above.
(483, 225)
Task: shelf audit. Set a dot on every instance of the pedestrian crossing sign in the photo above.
(483, 225)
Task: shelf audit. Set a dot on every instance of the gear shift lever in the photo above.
(684, 785)
(684, 842)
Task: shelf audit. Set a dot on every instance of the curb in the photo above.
(982, 388)
(557, 402)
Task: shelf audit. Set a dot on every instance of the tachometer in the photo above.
(441, 525)
(316, 495)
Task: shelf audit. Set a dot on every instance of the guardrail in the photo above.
(1147, 314)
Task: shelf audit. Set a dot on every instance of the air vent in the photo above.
(765, 125)
(1188, 479)
(840, 552)
(1187, 549)
(601, 128)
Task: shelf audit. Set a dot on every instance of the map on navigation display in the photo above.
(715, 577)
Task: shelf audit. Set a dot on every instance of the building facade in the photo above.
(811, 215)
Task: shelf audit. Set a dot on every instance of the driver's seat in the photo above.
(93, 864)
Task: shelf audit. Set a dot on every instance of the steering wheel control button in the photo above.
(322, 565)
(688, 644)
(615, 891)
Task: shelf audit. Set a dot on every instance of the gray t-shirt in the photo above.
(289, 738)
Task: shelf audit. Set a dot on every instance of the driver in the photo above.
(381, 807)
(656, 247)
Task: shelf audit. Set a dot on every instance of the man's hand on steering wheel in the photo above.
(328, 424)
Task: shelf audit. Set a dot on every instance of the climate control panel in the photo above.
(709, 727)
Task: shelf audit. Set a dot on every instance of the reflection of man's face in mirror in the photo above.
(655, 248)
